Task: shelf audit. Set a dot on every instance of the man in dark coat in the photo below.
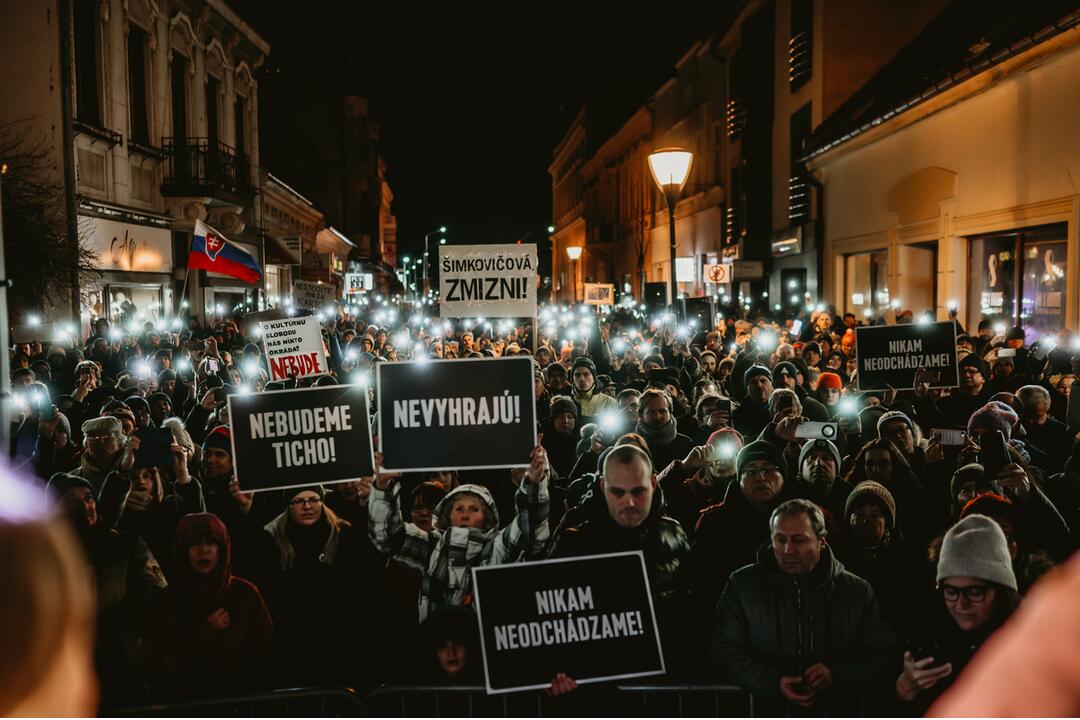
(796, 628)
(658, 427)
(630, 517)
(752, 415)
(953, 411)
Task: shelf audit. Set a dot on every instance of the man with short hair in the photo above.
(631, 518)
(557, 382)
(954, 410)
(796, 628)
(107, 450)
(659, 428)
(819, 463)
(1043, 431)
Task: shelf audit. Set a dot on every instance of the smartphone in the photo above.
(817, 430)
(993, 454)
(212, 365)
(154, 447)
(1006, 353)
(724, 405)
(950, 437)
(927, 377)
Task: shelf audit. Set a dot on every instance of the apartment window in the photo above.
(179, 99)
(212, 87)
(241, 127)
(798, 184)
(140, 123)
(87, 67)
(801, 43)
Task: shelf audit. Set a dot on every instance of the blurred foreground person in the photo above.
(47, 612)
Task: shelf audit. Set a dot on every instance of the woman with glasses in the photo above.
(977, 592)
(326, 575)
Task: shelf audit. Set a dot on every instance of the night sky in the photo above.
(470, 102)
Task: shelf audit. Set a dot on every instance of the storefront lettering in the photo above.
(123, 253)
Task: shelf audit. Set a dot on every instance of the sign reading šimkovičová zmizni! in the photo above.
(891, 355)
(590, 617)
(456, 414)
(292, 438)
(487, 280)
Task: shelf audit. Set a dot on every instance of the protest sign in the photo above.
(312, 295)
(292, 438)
(357, 282)
(590, 617)
(890, 355)
(456, 414)
(599, 294)
(294, 348)
(487, 280)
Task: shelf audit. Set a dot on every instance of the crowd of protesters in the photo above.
(854, 574)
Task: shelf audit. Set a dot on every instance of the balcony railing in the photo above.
(195, 166)
(736, 117)
(800, 59)
(798, 199)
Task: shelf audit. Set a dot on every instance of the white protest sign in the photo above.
(487, 280)
(294, 348)
(357, 282)
(599, 294)
(312, 295)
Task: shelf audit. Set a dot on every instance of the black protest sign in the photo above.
(590, 617)
(456, 414)
(891, 355)
(292, 438)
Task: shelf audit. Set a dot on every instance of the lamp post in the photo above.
(442, 241)
(405, 272)
(670, 168)
(574, 253)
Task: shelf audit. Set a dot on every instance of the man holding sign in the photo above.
(631, 518)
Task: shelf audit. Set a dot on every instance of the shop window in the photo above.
(866, 284)
(130, 304)
(1018, 278)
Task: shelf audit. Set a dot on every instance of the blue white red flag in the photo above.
(211, 251)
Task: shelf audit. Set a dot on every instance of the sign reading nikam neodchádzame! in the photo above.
(890, 355)
(589, 617)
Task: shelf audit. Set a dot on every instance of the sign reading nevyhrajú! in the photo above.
(294, 348)
(891, 355)
(590, 617)
(456, 414)
(487, 280)
(292, 438)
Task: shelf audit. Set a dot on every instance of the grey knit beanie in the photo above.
(876, 492)
(819, 444)
(976, 547)
(894, 415)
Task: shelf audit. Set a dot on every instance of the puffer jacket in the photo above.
(770, 624)
(666, 550)
(446, 555)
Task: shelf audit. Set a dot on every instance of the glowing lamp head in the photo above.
(670, 168)
(574, 252)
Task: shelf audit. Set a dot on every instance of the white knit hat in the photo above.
(976, 547)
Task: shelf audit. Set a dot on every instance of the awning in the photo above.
(282, 251)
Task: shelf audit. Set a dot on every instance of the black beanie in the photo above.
(761, 450)
(585, 362)
(974, 361)
(754, 371)
(561, 404)
(60, 483)
(784, 368)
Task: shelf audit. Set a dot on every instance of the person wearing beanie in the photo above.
(141, 408)
(819, 466)
(166, 381)
(106, 451)
(993, 417)
(466, 532)
(752, 415)
(54, 451)
(811, 354)
(954, 410)
(829, 387)
(702, 478)
(978, 592)
(556, 376)
(796, 582)
(897, 426)
(786, 375)
(209, 632)
(592, 403)
(160, 409)
(729, 533)
(709, 363)
(560, 438)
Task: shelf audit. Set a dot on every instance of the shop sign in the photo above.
(130, 248)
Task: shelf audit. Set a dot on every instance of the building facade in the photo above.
(153, 106)
(960, 192)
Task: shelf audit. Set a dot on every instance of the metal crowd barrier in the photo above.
(590, 700)
(290, 702)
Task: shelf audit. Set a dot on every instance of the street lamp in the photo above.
(670, 168)
(442, 241)
(574, 253)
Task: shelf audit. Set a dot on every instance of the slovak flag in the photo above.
(211, 251)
